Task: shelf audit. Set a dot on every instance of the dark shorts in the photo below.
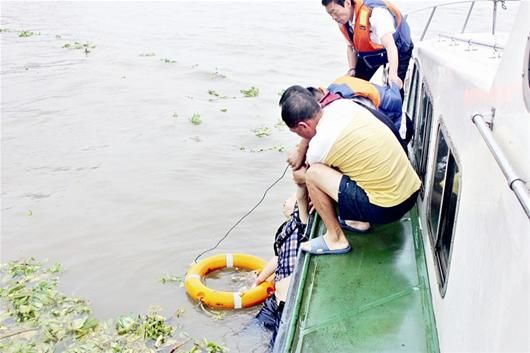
(355, 205)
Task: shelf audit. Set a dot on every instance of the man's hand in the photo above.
(394, 79)
(299, 175)
(295, 159)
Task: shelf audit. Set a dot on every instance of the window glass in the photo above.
(443, 206)
(422, 132)
(440, 168)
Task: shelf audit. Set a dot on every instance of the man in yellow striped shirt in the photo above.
(355, 161)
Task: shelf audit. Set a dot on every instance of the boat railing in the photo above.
(516, 184)
(470, 10)
(495, 46)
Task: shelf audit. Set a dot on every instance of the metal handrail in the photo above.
(472, 2)
(516, 184)
(494, 46)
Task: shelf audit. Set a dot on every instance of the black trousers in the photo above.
(365, 72)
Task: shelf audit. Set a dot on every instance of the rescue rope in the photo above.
(244, 216)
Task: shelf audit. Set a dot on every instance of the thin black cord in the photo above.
(245, 215)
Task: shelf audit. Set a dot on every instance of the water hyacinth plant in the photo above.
(79, 46)
(196, 119)
(262, 131)
(251, 92)
(36, 318)
(25, 34)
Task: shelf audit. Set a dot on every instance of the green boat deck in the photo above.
(373, 299)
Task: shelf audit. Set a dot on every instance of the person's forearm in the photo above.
(392, 53)
(268, 270)
(301, 199)
(352, 60)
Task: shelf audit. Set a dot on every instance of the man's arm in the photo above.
(352, 60)
(393, 59)
(296, 158)
(301, 194)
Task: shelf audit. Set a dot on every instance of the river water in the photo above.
(102, 169)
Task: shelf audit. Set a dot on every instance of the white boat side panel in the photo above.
(486, 307)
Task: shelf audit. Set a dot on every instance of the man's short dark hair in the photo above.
(291, 90)
(298, 104)
(338, 2)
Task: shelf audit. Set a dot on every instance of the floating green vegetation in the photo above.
(36, 318)
(24, 34)
(79, 46)
(147, 54)
(251, 92)
(4, 30)
(172, 279)
(262, 131)
(58, 36)
(175, 115)
(196, 119)
(278, 148)
(224, 110)
(168, 61)
(207, 346)
(217, 95)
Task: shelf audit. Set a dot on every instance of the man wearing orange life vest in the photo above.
(376, 34)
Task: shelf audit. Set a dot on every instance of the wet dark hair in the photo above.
(315, 92)
(338, 2)
(298, 104)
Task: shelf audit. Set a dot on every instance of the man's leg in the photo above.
(323, 185)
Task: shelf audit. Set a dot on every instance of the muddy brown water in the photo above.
(102, 169)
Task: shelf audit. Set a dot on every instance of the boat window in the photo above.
(443, 206)
(422, 128)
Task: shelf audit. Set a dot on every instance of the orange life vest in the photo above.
(361, 33)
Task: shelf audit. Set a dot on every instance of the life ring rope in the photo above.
(194, 282)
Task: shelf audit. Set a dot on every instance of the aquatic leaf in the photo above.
(196, 119)
(168, 61)
(171, 278)
(26, 34)
(211, 92)
(251, 92)
(175, 115)
(262, 131)
(224, 110)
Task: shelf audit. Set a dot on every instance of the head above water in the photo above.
(341, 11)
(300, 111)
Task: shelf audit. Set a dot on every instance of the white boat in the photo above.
(453, 276)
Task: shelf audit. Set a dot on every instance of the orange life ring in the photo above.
(229, 300)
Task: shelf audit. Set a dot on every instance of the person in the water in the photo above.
(286, 244)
